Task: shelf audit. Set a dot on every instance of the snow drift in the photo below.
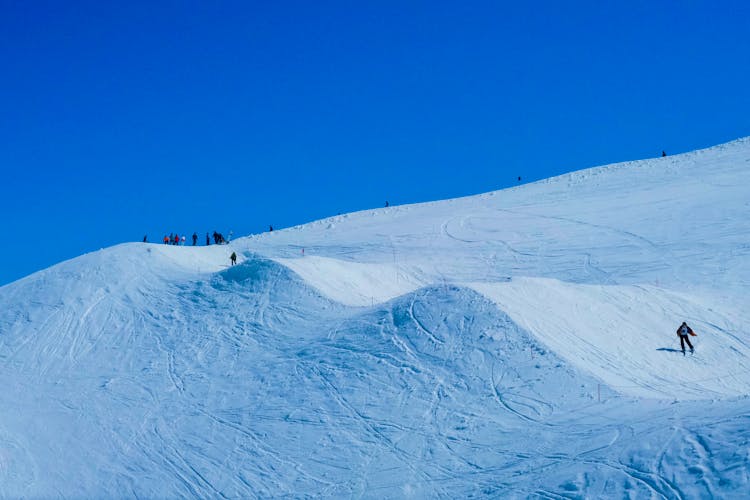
(516, 343)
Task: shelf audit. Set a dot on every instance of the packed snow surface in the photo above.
(516, 343)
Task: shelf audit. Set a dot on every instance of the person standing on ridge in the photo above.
(195, 239)
(663, 154)
(208, 240)
(683, 331)
(233, 258)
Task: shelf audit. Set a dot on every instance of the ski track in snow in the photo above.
(515, 344)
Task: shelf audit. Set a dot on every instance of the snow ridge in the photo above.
(515, 343)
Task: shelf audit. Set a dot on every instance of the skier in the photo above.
(233, 258)
(166, 239)
(663, 154)
(145, 238)
(270, 229)
(683, 331)
(208, 241)
(183, 240)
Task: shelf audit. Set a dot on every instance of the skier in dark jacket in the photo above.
(233, 258)
(683, 331)
(195, 239)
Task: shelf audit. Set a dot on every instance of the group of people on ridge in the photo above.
(176, 239)
(218, 239)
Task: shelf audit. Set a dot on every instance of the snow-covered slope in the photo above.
(516, 343)
(664, 240)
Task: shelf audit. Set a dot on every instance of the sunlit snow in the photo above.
(512, 344)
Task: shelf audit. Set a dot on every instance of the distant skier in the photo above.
(195, 239)
(145, 238)
(387, 204)
(663, 154)
(683, 331)
(233, 258)
(270, 229)
(208, 240)
(183, 240)
(166, 239)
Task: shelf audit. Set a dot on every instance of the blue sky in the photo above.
(121, 119)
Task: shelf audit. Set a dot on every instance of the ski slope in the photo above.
(519, 343)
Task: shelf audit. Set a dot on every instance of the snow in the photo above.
(516, 343)
(353, 283)
(620, 334)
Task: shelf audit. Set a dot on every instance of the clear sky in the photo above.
(125, 118)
